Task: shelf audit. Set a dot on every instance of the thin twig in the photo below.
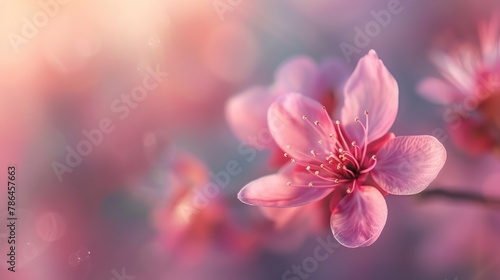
(459, 195)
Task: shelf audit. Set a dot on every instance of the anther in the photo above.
(366, 112)
(324, 108)
(304, 117)
(353, 143)
(289, 183)
(310, 184)
(293, 160)
(313, 153)
(374, 157)
(320, 141)
(356, 119)
(337, 122)
(316, 172)
(349, 190)
(308, 168)
(285, 154)
(316, 122)
(288, 146)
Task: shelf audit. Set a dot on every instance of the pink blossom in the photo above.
(470, 86)
(247, 112)
(351, 163)
(190, 230)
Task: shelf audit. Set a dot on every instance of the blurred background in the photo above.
(113, 113)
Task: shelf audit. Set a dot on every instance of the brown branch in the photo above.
(459, 195)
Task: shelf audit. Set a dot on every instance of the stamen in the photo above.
(347, 170)
(341, 135)
(370, 168)
(356, 149)
(351, 159)
(365, 130)
(350, 190)
(320, 131)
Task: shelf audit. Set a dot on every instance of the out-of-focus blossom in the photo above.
(246, 112)
(470, 86)
(191, 224)
(351, 163)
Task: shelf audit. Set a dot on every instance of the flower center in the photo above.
(339, 163)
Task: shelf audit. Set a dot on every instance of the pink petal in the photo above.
(407, 165)
(272, 191)
(438, 91)
(246, 112)
(285, 120)
(370, 88)
(472, 136)
(282, 217)
(299, 74)
(335, 72)
(358, 219)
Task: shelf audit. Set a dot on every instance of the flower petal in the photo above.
(272, 191)
(407, 165)
(299, 74)
(358, 219)
(292, 133)
(335, 72)
(246, 112)
(472, 136)
(438, 91)
(370, 88)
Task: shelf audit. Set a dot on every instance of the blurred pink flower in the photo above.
(189, 229)
(352, 164)
(470, 85)
(246, 112)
